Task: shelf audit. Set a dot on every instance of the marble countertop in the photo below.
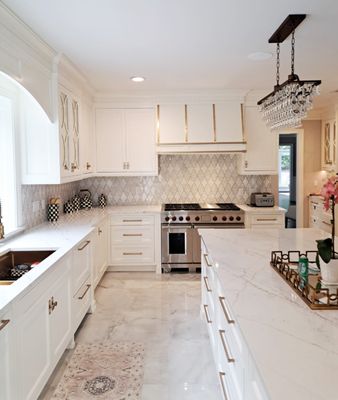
(261, 210)
(61, 236)
(295, 348)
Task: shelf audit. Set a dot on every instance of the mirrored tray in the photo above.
(315, 293)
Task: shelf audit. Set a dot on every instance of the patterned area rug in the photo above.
(103, 371)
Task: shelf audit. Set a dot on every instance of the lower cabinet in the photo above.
(7, 375)
(318, 217)
(42, 325)
(134, 242)
(238, 376)
(265, 219)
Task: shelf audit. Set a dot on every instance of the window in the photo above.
(8, 174)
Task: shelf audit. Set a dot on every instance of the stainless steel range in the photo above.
(181, 244)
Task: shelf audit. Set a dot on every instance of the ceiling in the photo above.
(185, 44)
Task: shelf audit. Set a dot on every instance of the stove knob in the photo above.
(224, 218)
(231, 218)
(197, 218)
(238, 218)
(187, 218)
(214, 218)
(167, 219)
(173, 218)
(180, 218)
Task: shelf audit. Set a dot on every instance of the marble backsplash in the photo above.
(182, 178)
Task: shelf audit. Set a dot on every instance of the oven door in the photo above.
(177, 244)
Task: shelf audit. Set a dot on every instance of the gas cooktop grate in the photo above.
(186, 206)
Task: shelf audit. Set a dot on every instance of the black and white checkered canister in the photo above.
(53, 212)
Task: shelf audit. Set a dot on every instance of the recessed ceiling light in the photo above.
(137, 79)
(259, 56)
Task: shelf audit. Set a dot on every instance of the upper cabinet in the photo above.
(261, 157)
(200, 127)
(61, 150)
(329, 145)
(125, 141)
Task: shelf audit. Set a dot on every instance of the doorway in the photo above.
(287, 178)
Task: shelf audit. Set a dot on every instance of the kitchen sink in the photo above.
(15, 264)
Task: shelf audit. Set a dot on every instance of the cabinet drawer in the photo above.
(267, 219)
(132, 255)
(132, 219)
(80, 265)
(80, 303)
(132, 235)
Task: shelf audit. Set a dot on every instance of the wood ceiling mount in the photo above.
(287, 27)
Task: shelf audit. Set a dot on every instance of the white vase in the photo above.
(329, 272)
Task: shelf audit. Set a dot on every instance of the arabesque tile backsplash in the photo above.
(182, 178)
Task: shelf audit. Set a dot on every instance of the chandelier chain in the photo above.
(293, 53)
(277, 64)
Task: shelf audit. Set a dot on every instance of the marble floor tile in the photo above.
(162, 312)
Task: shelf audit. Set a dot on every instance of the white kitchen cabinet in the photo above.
(81, 265)
(318, 217)
(7, 358)
(261, 157)
(87, 140)
(69, 131)
(100, 249)
(329, 145)
(238, 376)
(43, 330)
(125, 141)
(264, 217)
(134, 242)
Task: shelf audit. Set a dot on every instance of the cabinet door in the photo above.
(140, 140)
(81, 264)
(59, 315)
(86, 140)
(200, 123)
(261, 156)
(228, 122)
(171, 124)
(74, 149)
(109, 131)
(100, 251)
(64, 132)
(7, 357)
(329, 145)
(32, 345)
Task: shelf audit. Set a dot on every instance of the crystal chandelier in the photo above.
(290, 101)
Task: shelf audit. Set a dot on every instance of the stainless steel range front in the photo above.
(181, 244)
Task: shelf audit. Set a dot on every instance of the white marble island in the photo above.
(294, 348)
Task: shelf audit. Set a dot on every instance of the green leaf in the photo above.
(325, 249)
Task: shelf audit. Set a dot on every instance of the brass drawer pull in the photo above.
(85, 292)
(132, 220)
(132, 234)
(226, 311)
(266, 219)
(207, 314)
(206, 281)
(224, 386)
(3, 323)
(225, 347)
(85, 245)
(133, 254)
(207, 260)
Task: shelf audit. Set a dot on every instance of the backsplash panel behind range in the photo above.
(183, 178)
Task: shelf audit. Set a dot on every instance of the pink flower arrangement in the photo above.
(330, 193)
